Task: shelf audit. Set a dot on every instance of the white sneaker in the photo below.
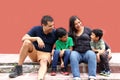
(76, 78)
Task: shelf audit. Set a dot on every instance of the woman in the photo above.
(81, 51)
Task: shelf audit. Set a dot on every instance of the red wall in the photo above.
(18, 16)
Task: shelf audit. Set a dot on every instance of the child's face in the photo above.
(93, 37)
(64, 38)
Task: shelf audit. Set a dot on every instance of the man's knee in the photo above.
(44, 61)
(27, 43)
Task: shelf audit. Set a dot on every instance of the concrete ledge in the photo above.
(7, 61)
(13, 58)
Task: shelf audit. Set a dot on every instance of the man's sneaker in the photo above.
(53, 72)
(64, 71)
(16, 72)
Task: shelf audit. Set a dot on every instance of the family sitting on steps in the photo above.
(80, 44)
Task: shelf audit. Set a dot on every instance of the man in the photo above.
(37, 44)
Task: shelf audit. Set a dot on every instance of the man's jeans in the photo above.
(56, 57)
(88, 57)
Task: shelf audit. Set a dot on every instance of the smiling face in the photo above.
(64, 38)
(93, 37)
(48, 24)
(48, 27)
(78, 24)
(96, 34)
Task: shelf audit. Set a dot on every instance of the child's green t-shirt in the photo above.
(64, 45)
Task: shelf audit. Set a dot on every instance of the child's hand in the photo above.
(52, 53)
(62, 53)
(109, 50)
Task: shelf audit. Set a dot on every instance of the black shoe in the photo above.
(16, 72)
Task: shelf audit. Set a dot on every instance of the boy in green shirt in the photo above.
(63, 47)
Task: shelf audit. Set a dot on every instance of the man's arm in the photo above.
(32, 39)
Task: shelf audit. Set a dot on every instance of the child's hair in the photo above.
(98, 33)
(61, 32)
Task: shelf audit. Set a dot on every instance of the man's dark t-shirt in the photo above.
(48, 39)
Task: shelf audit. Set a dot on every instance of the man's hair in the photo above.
(45, 19)
(98, 33)
(61, 32)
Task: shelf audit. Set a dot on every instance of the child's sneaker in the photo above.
(107, 73)
(64, 71)
(102, 72)
(53, 72)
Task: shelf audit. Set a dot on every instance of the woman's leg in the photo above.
(90, 58)
(75, 57)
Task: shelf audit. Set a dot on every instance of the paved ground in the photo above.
(33, 76)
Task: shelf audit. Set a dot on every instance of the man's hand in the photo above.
(32, 39)
(40, 43)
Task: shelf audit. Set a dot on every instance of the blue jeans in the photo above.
(88, 57)
(56, 58)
